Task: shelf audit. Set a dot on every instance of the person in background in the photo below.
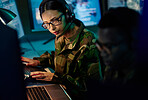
(117, 43)
(75, 50)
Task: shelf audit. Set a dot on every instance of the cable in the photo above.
(31, 45)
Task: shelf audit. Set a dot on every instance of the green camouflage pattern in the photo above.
(73, 59)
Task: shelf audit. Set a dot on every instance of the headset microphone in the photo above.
(70, 17)
(66, 28)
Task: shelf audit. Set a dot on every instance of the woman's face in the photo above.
(54, 21)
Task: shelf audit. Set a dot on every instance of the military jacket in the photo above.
(73, 59)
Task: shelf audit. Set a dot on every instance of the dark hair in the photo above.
(59, 5)
(52, 5)
(122, 18)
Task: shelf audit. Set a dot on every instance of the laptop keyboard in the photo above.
(37, 93)
(27, 70)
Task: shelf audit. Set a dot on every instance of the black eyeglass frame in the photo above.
(108, 46)
(51, 22)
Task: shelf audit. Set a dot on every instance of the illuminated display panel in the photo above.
(88, 11)
(133, 4)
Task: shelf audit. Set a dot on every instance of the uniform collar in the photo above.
(62, 43)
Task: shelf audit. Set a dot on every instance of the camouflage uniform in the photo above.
(73, 59)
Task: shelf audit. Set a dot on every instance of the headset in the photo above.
(69, 15)
(68, 11)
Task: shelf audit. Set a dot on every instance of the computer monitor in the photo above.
(133, 4)
(11, 74)
(88, 11)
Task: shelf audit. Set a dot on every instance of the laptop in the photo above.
(42, 90)
(47, 92)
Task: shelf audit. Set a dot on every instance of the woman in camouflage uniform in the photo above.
(75, 50)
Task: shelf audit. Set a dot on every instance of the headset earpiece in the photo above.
(69, 14)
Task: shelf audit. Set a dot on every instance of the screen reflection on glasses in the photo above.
(54, 22)
(108, 46)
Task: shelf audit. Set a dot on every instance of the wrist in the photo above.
(54, 76)
(37, 62)
(50, 76)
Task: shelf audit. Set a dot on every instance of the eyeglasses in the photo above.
(109, 46)
(54, 22)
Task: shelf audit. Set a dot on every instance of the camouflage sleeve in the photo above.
(46, 59)
(72, 84)
(77, 82)
(91, 60)
(79, 71)
(86, 60)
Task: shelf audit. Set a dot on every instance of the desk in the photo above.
(33, 45)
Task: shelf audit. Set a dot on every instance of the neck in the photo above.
(71, 33)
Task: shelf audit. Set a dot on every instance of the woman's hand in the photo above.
(30, 62)
(44, 76)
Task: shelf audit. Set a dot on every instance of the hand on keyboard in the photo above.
(44, 76)
(30, 62)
